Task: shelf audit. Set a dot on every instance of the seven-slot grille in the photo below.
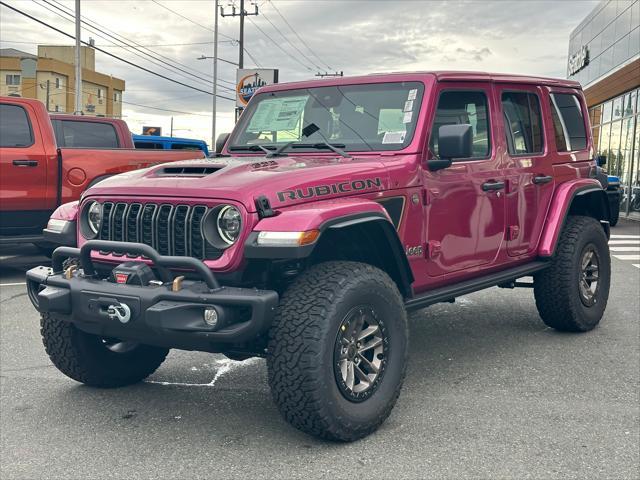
(170, 229)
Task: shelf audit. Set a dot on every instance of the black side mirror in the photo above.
(220, 141)
(454, 141)
(601, 160)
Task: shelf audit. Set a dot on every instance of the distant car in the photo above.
(169, 143)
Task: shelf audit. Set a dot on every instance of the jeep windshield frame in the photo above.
(366, 117)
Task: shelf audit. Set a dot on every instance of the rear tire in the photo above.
(95, 361)
(338, 350)
(571, 295)
(615, 214)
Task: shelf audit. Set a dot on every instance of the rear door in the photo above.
(25, 205)
(528, 164)
(466, 206)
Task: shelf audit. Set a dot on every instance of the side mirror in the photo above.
(220, 141)
(454, 141)
(601, 160)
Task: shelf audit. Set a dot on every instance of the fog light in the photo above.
(211, 316)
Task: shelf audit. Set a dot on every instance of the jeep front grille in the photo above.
(170, 229)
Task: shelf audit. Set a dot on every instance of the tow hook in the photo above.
(120, 312)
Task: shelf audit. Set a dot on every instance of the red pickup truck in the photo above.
(37, 173)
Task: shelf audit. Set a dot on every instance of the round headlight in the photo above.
(94, 216)
(229, 223)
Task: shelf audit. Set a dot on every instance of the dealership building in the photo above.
(604, 56)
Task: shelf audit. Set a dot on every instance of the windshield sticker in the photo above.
(406, 118)
(277, 114)
(413, 93)
(393, 137)
(408, 106)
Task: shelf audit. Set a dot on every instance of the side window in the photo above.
(88, 135)
(523, 122)
(464, 107)
(568, 122)
(15, 129)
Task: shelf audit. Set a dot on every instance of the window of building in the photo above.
(523, 122)
(464, 107)
(16, 129)
(58, 83)
(83, 134)
(607, 107)
(57, 108)
(13, 80)
(568, 122)
(617, 108)
(99, 93)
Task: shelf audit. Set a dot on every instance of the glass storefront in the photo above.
(616, 132)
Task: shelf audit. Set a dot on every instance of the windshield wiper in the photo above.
(251, 148)
(324, 145)
(279, 151)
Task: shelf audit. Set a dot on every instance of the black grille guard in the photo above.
(160, 262)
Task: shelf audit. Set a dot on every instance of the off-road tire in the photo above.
(557, 288)
(85, 358)
(301, 345)
(615, 215)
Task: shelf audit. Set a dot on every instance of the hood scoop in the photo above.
(184, 171)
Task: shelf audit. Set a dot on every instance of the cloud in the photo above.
(358, 37)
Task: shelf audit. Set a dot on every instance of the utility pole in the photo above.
(243, 13)
(328, 74)
(78, 109)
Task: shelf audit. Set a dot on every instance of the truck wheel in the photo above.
(572, 293)
(96, 361)
(338, 350)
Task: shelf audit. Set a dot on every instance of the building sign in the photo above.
(578, 60)
(248, 80)
(154, 131)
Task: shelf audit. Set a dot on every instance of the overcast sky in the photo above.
(355, 36)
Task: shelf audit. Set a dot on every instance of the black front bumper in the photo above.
(158, 315)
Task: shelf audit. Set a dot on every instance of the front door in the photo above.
(465, 202)
(23, 173)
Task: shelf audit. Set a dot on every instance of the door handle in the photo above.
(492, 185)
(25, 163)
(542, 179)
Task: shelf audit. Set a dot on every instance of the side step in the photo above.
(450, 292)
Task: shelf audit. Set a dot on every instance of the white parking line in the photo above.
(637, 265)
(629, 248)
(12, 284)
(637, 237)
(624, 242)
(627, 257)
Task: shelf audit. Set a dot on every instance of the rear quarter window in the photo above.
(568, 122)
(77, 134)
(15, 128)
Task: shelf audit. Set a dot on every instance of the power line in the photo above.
(31, 17)
(118, 37)
(289, 42)
(109, 45)
(299, 37)
(277, 44)
(192, 21)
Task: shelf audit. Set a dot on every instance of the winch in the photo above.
(132, 273)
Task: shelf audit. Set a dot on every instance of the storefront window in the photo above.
(635, 183)
(634, 98)
(614, 148)
(626, 156)
(603, 144)
(617, 108)
(596, 138)
(597, 115)
(606, 111)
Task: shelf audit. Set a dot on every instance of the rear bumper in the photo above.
(157, 314)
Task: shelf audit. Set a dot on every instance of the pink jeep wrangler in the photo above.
(334, 208)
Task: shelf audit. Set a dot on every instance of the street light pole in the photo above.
(215, 77)
(78, 80)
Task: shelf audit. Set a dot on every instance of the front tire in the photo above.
(571, 295)
(96, 361)
(338, 350)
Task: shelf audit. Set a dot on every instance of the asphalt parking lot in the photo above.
(490, 393)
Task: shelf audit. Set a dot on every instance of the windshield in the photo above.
(370, 117)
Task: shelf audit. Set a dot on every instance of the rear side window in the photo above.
(464, 107)
(87, 135)
(568, 122)
(15, 128)
(523, 122)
